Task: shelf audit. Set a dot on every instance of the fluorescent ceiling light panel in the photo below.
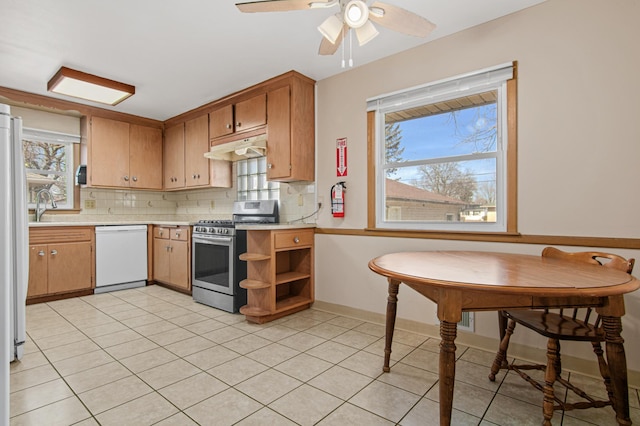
(89, 87)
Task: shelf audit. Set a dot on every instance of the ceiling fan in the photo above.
(354, 15)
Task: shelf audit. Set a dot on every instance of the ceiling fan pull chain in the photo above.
(350, 49)
(343, 63)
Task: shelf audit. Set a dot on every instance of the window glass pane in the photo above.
(463, 191)
(252, 180)
(48, 166)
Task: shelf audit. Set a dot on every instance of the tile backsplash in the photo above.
(297, 200)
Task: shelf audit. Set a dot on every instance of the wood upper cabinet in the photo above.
(145, 157)
(239, 117)
(291, 131)
(61, 260)
(185, 165)
(174, 177)
(125, 155)
(196, 144)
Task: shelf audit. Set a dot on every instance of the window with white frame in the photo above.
(49, 162)
(252, 180)
(441, 153)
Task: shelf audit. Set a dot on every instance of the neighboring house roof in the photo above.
(402, 191)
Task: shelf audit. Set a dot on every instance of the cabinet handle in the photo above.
(135, 179)
(177, 235)
(126, 178)
(195, 176)
(238, 124)
(167, 248)
(228, 126)
(198, 176)
(41, 253)
(296, 240)
(160, 233)
(269, 166)
(54, 252)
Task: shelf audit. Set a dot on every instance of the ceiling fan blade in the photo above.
(276, 5)
(398, 19)
(328, 48)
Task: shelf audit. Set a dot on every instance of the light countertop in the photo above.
(110, 223)
(275, 226)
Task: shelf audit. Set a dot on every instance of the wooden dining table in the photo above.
(459, 281)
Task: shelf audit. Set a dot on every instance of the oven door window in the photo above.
(212, 265)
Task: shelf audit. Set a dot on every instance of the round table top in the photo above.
(504, 273)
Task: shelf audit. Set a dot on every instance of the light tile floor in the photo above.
(153, 356)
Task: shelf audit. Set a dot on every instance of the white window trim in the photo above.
(60, 138)
(494, 78)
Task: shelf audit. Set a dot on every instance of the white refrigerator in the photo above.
(14, 249)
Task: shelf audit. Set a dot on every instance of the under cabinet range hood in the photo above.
(255, 146)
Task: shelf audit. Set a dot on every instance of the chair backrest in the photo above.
(607, 260)
(612, 260)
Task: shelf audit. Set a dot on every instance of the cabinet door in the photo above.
(251, 113)
(109, 153)
(69, 266)
(180, 264)
(145, 157)
(37, 270)
(161, 266)
(221, 122)
(174, 157)
(196, 144)
(279, 145)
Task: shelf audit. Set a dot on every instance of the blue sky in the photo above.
(435, 136)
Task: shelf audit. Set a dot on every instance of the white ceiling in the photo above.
(182, 54)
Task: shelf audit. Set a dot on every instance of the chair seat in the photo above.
(556, 326)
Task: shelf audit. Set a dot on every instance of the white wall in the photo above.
(578, 144)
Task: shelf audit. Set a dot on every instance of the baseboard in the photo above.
(523, 352)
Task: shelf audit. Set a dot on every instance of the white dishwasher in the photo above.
(121, 257)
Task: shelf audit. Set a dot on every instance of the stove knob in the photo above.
(226, 230)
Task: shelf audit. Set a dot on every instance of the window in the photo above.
(252, 181)
(444, 153)
(49, 163)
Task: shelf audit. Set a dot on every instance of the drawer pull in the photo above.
(296, 240)
(177, 235)
(54, 252)
(41, 253)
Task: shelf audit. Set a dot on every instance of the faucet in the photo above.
(40, 210)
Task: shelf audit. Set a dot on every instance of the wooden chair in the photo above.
(567, 324)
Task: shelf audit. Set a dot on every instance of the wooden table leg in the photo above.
(448, 332)
(617, 361)
(392, 303)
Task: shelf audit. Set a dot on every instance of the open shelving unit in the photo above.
(279, 273)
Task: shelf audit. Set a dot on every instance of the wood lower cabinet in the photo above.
(61, 260)
(172, 256)
(279, 273)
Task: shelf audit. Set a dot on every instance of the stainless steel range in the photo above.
(217, 245)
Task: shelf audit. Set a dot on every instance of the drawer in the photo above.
(180, 233)
(161, 232)
(293, 239)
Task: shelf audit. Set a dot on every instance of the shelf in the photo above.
(250, 257)
(292, 302)
(254, 284)
(287, 277)
(253, 311)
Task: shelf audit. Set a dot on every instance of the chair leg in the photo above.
(604, 368)
(501, 356)
(558, 360)
(502, 327)
(549, 379)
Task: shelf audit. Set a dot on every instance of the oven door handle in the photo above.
(212, 240)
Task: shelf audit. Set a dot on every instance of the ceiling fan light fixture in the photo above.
(356, 13)
(331, 28)
(366, 33)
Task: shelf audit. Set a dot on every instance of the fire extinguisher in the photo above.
(337, 199)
